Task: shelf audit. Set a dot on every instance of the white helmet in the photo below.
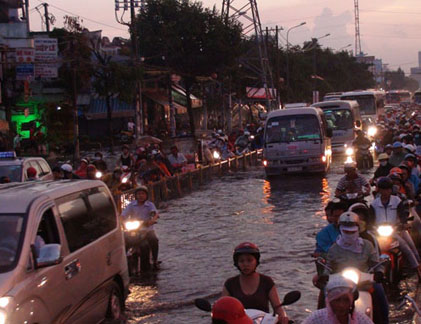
(349, 217)
(338, 281)
(411, 148)
(246, 133)
(67, 168)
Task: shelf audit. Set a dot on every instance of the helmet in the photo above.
(383, 156)
(410, 148)
(385, 183)
(91, 167)
(396, 170)
(246, 248)
(67, 168)
(84, 161)
(339, 281)
(230, 310)
(142, 188)
(31, 172)
(350, 220)
(361, 209)
(410, 156)
(404, 166)
(246, 133)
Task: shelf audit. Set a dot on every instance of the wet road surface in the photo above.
(199, 232)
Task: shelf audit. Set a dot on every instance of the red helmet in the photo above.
(246, 248)
(230, 310)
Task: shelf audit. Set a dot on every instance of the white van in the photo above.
(296, 140)
(62, 253)
(343, 117)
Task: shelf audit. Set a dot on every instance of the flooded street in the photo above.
(199, 232)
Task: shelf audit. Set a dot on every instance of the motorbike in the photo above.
(137, 247)
(364, 158)
(257, 316)
(351, 198)
(364, 282)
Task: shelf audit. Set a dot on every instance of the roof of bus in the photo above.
(295, 111)
(336, 104)
(362, 93)
(398, 91)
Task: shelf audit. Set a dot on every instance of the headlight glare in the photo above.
(132, 225)
(351, 274)
(385, 230)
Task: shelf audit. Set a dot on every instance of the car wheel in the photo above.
(115, 304)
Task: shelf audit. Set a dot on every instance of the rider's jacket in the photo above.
(326, 237)
(387, 214)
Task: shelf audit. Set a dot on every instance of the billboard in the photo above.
(46, 53)
(25, 58)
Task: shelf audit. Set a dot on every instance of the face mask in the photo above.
(383, 163)
(350, 238)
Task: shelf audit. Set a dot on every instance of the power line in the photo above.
(88, 19)
(392, 12)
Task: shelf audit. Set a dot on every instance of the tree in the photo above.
(195, 41)
(113, 79)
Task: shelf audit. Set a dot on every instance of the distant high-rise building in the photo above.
(416, 71)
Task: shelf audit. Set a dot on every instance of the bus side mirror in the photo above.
(358, 123)
(329, 132)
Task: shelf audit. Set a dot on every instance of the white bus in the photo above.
(417, 97)
(371, 102)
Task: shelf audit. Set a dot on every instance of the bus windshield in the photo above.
(339, 119)
(366, 102)
(294, 128)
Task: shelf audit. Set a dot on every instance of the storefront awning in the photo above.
(98, 109)
(162, 99)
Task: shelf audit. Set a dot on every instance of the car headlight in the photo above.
(3, 317)
(351, 274)
(349, 151)
(385, 230)
(371, 131)
(132, 225)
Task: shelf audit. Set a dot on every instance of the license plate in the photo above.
(294, 169)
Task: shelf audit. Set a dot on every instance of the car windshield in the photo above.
(339, 119)
(10, 234)
(366, 103)
(292, 129)
(11, 171)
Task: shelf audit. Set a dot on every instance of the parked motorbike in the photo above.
(257, 316)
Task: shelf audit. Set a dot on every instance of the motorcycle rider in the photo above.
(352, 178)
(252, 289)
(350, 250)
(242, 142)
(328, 235)
(384, 167)
(340, 304)
(398, 155)
(229, 310)
(388, 208)
(359, 143)
(145, 210)
(126, 158)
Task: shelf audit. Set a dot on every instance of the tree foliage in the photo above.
(396, 80)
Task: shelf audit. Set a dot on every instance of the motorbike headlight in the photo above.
(349, 160)
(349, 151)
(385, 230)
(251, 137)
(4, 301)
(372, 131)
(351, 274)
(265, 163)
(132, 225)
(124, 180)
(98, 174)
(216, 155)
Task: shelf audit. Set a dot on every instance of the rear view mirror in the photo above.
(203, 304)
(358, 123)
(291, 297)
(48, 255)
(329, 132)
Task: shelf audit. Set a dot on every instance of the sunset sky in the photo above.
(389, 28)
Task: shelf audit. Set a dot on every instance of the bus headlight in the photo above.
(349, 151)
(385, 230)
(352, 274)
(372, 131)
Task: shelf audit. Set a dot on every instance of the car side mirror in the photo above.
(329, 132)
(48, 255)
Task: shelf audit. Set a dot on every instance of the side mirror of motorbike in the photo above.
(358, 123)
(203, 304)
(410, 218)
(291, 297)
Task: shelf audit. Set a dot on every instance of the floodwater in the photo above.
(199, 232)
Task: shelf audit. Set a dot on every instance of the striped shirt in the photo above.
(359, 182)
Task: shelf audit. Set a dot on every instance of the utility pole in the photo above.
(47, 19)
(124, 4)
(278, 98)
(27, 14)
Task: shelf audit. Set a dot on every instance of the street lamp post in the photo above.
(315, 40)
(342, 48)
(287, 56)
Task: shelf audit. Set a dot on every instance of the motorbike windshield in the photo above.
(13, 172)
(339, 119)
(294, 128)
(366, 103)
(10, 235)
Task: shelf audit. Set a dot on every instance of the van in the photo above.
(343, 117)
(296, 140)
(62, 256)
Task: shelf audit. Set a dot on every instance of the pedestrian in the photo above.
(99, 162)
(177, 159)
